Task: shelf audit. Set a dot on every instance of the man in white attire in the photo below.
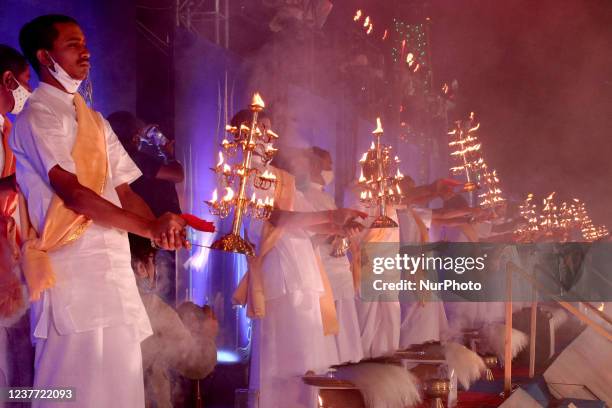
(423, 315)
(286, 291)
(87, 317)
(337, 266)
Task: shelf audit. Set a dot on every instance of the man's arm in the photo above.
(129, 199)
(82, 200)
(298, 219)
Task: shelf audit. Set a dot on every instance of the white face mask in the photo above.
(328, 176)
(20, 95)
(70, 84)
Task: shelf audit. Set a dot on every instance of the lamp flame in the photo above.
(229, 194)
(257, 101)
(362, 178)
(221, 160)
(378, 129)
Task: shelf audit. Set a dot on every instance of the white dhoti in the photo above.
(345, 344)
(380, 327)
(422, 323)
(287, 343)
(103, 366)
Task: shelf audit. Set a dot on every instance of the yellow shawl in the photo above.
(63, 225)
(8, 205)
(250, 290)
(377, 235)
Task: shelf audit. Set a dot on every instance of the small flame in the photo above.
(268, 175)
(257, 101)
(366, 22)
(475, 128)
(214, 196)
(221, 160)
(357, 16)
(410, 59)
(384, 37)
(362, 178)
(379, 128)
(271, 133)
(370, 28)
(229, 194)
(372, 146)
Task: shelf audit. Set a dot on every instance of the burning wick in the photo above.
(357, 16)
(257, 101)
(220, 163)
(229, 194)
(378, 129)
(362, 179)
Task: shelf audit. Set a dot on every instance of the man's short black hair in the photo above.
(39, 34)
(245, 117)
(11, 60)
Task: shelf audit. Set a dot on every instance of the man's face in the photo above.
(70, 50)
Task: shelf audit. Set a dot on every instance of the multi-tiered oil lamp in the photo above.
(380, 179)
(247, 139)
(467, 152)
(491, 197)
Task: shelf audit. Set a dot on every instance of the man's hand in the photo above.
(168, 232)
(445, 187)
(352, 229)
(342, 216)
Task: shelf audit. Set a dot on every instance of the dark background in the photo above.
(537, 73)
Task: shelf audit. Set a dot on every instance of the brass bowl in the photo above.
(490, 360)
(437, 388)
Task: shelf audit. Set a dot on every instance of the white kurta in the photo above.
(380, 319)
(422, 321)
(95, 292)
(289, 340)
(338, 270)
